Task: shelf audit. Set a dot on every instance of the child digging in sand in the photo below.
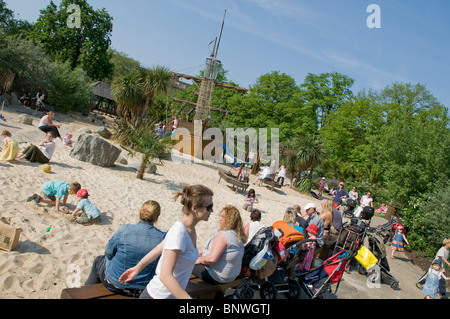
(90, 214)
(53, 191)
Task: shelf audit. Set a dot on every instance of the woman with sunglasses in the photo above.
(178, 251)
(221, 259)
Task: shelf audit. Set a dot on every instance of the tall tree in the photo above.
(135, 91)
(85, 45)
(326, 92)
(412, 150)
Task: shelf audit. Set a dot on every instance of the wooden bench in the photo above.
(196, 288)
(271, 184)
(231, 179)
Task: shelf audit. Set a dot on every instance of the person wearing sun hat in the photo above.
(340, 194)
(312, 218)
(90, 214)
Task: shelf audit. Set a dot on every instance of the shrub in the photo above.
(428, 220)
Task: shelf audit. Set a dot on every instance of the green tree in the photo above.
(145, 143)
(9, 25)
(68, 89)
(412, 149)
(325, 92)
(135, 91)
(310, 153)
(86, 46)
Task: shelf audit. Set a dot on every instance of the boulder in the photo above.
(122, 160)
(103, 132)
(151, 169)
(95, 150)
(25, 119)
(85, 130)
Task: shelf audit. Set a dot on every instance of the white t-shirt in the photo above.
(366, 200)
(253, 229)
(282, 172)
(177, 238)
(48, 149)
(43, 122)
(442, 252)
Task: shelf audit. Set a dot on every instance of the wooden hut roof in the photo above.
(103, 89)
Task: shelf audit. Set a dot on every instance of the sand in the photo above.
(41, 265)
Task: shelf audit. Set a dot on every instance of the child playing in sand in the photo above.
(90, 214)
(53, 191)
(397, 242)
(250, 199)
(435, 273)
(10, 147)
(67, 140)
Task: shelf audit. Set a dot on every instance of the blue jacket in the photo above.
(128, 245)
(339, 194)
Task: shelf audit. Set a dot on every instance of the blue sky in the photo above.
(295, 37)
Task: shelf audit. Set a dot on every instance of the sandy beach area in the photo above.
(38, 268)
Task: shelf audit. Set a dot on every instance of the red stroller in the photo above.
(316, 281)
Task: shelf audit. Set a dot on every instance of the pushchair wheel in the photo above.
(294, 289)
(244, 293)
(394, 285)
(268, 290)
(362, 270)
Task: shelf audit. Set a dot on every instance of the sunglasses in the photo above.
(209, 207)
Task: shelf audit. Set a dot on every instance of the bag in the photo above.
(367, 212)
(366, 258)
(280, 250)
(9, 236)
(261, 258)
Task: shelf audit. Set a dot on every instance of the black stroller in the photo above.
(258, 262)
(351, 237)
(349, 208)
(291, 254)
(376, 246)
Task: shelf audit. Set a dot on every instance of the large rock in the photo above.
(103, 132)
(95, 150)
(25, 119)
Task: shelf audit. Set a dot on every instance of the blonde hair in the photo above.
(150, 211)
(327, 206)
(6, 133)
(289, 216)
(74, 187)
(446, 241)
(194, 195)
(233, 221)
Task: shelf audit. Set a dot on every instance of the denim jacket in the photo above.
(128, 245)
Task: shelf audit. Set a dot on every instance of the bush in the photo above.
(428, 220)
(69, 89)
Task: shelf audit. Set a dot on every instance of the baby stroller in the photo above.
(258, 261)
(316, 281)
(376, 247)
(387, 231)
(349, 208)
(351, 237)
(292, 256)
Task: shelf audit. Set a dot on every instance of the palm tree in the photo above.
(144, 141)
(289, 157)
(135, 91)
(310, 153)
